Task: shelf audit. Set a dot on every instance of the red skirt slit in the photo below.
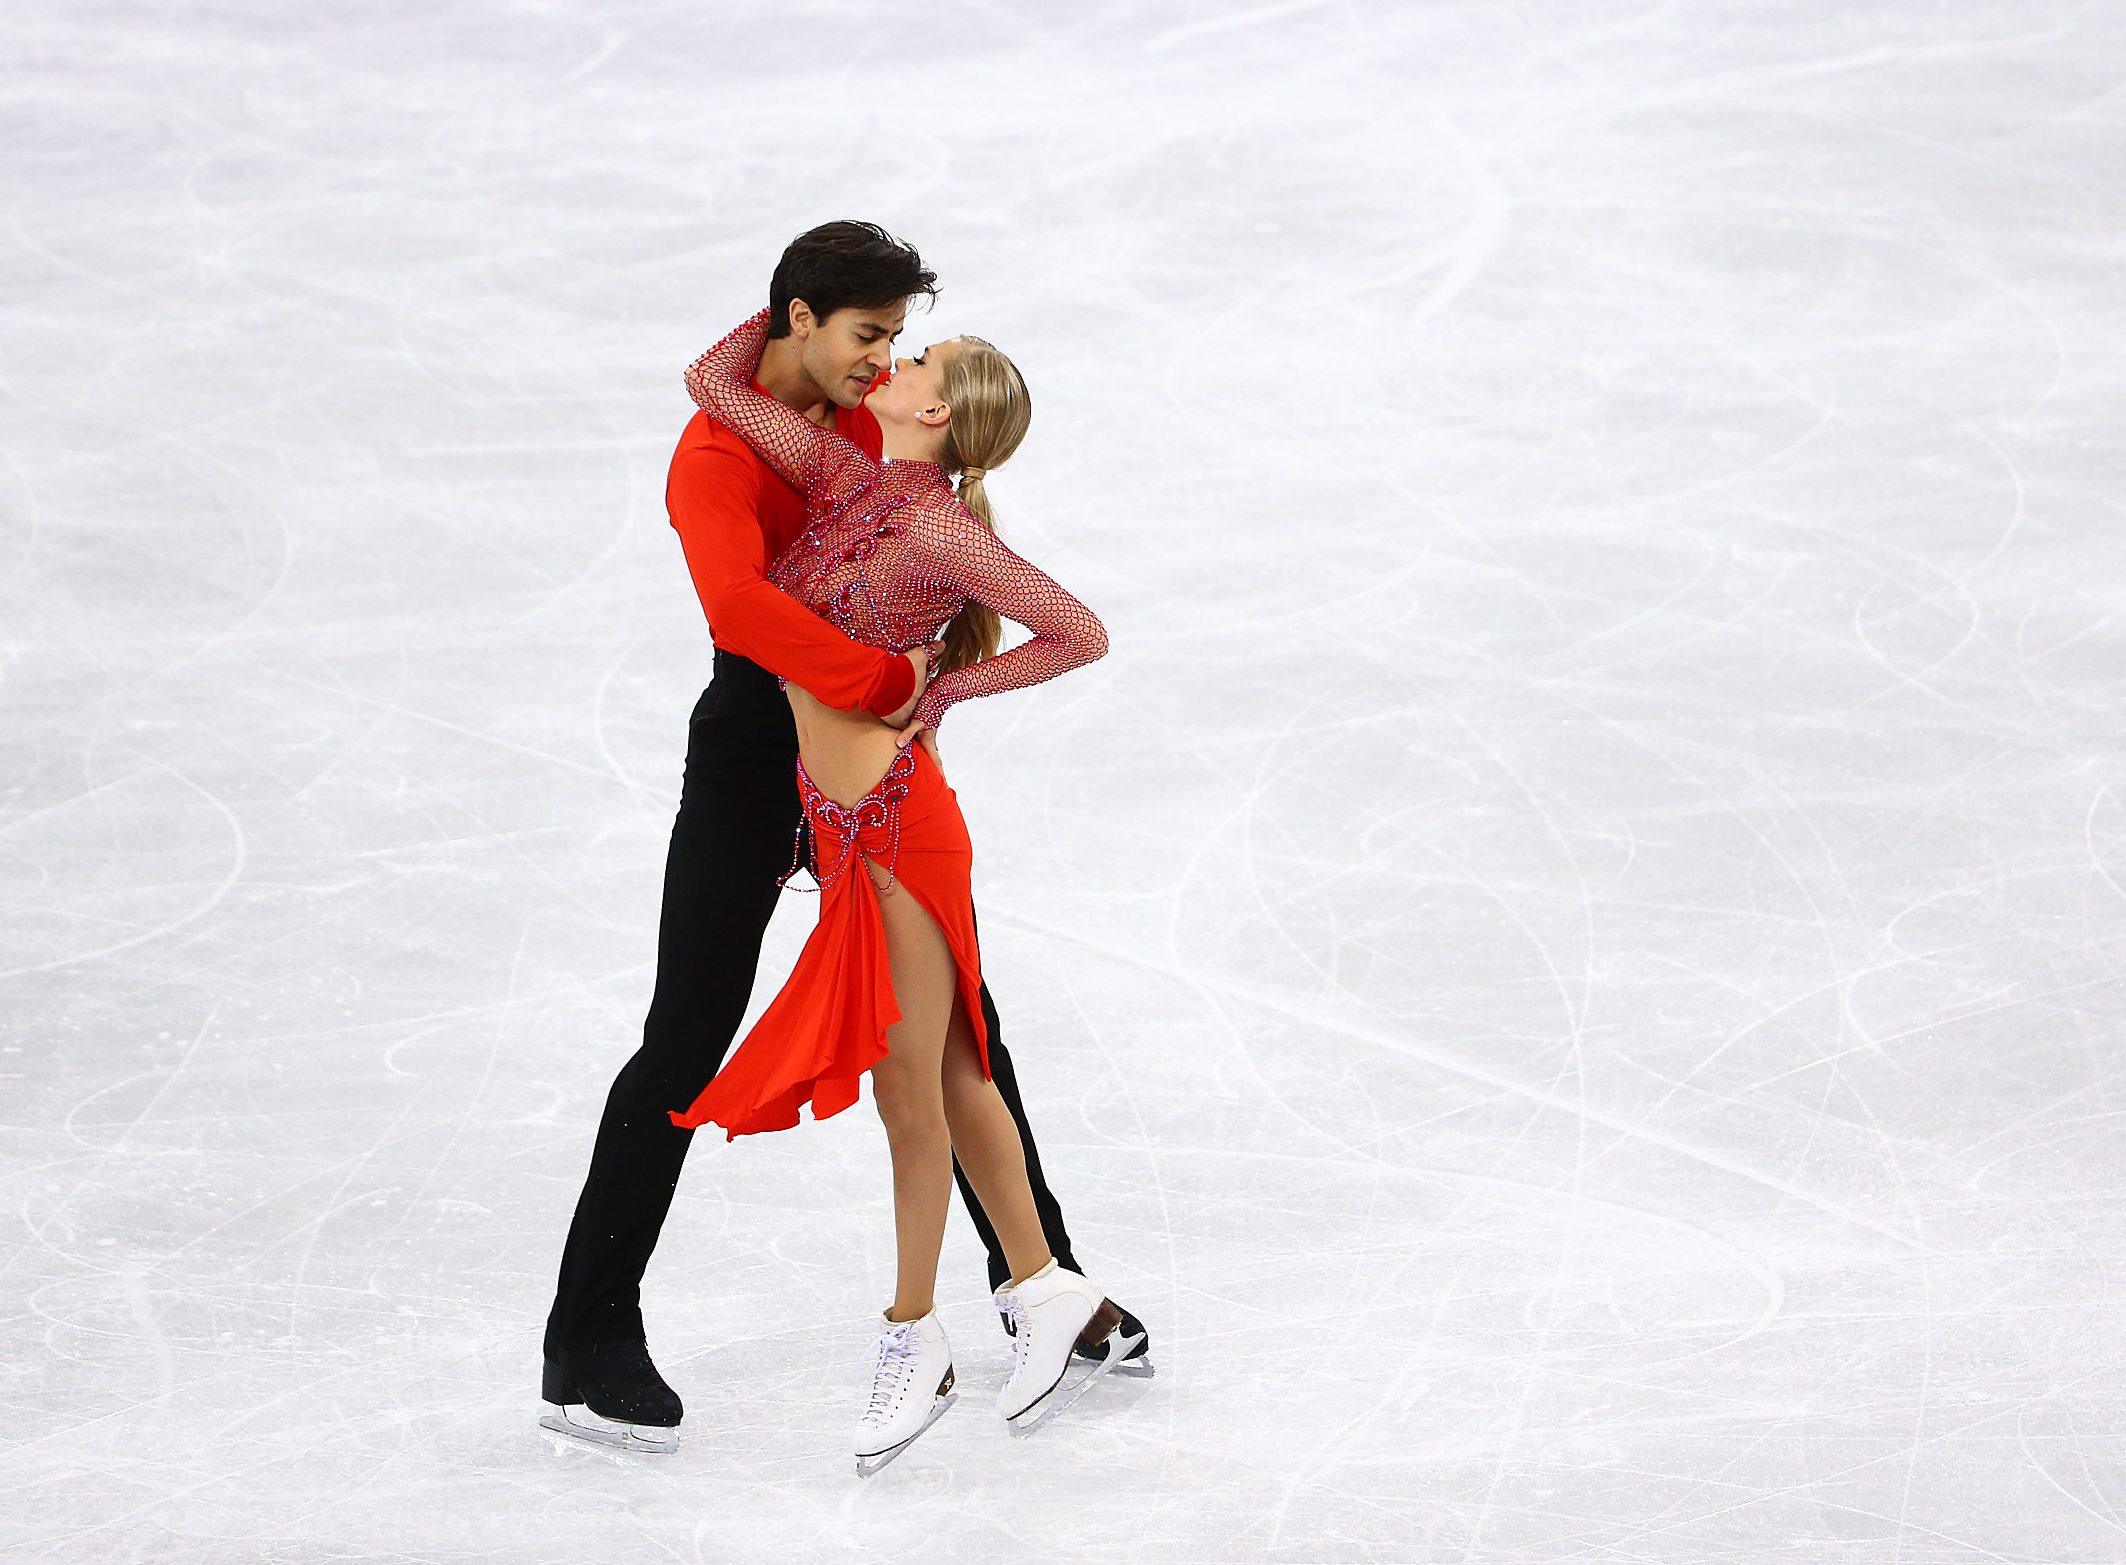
(828, 1024)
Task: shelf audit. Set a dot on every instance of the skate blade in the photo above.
(867, 1465)
(1067, 1391)
(1136, 1368)
(580, 1421)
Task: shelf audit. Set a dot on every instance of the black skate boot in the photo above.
(611, 1393)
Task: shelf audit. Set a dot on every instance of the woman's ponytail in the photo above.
(991, 411)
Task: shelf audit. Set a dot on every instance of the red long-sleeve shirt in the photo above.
(891, 555)
(734, 516)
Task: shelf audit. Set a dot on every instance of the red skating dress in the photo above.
(890, 556)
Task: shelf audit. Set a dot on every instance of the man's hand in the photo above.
(920, 658)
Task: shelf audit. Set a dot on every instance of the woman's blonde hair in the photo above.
(991, 411)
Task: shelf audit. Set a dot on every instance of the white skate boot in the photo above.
(1049, 1313)
(911, 1386)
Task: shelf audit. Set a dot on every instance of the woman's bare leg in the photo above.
(986, 1138)
(931, 1094)
(905, 1085)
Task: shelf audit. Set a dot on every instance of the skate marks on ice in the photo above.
(1339, 1016)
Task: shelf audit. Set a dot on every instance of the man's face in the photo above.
(846, 353)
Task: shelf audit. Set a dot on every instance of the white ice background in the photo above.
(1567, 963)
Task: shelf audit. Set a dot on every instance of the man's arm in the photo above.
(712, 496)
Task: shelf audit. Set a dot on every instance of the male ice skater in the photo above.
(838, 298)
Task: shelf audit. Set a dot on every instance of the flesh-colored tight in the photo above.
(934, 1102)
(930, 1091)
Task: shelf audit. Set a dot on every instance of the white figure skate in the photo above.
(911, 1386)
(1050, 1312)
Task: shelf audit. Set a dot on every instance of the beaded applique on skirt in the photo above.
(827, 1025)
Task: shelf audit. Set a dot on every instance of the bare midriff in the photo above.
(844, 753)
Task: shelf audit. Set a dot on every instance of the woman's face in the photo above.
(916, 389)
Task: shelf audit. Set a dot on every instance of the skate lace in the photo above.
(891, 1360)
(1021, 1338)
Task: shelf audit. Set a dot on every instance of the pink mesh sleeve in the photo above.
(818, 463)
(973, 561)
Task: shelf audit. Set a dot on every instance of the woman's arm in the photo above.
(818, 463)
(974, 562)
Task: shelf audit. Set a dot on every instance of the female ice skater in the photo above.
(890, 980)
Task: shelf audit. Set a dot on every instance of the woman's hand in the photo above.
(929, 738)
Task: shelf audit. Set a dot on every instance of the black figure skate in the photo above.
(611, 1393)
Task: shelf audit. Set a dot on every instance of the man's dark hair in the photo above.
(845, 266)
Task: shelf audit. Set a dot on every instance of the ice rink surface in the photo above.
(1567, 964)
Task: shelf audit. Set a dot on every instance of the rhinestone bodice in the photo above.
(889, 554)
(860, 569)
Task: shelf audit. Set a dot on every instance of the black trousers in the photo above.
(732, 840)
